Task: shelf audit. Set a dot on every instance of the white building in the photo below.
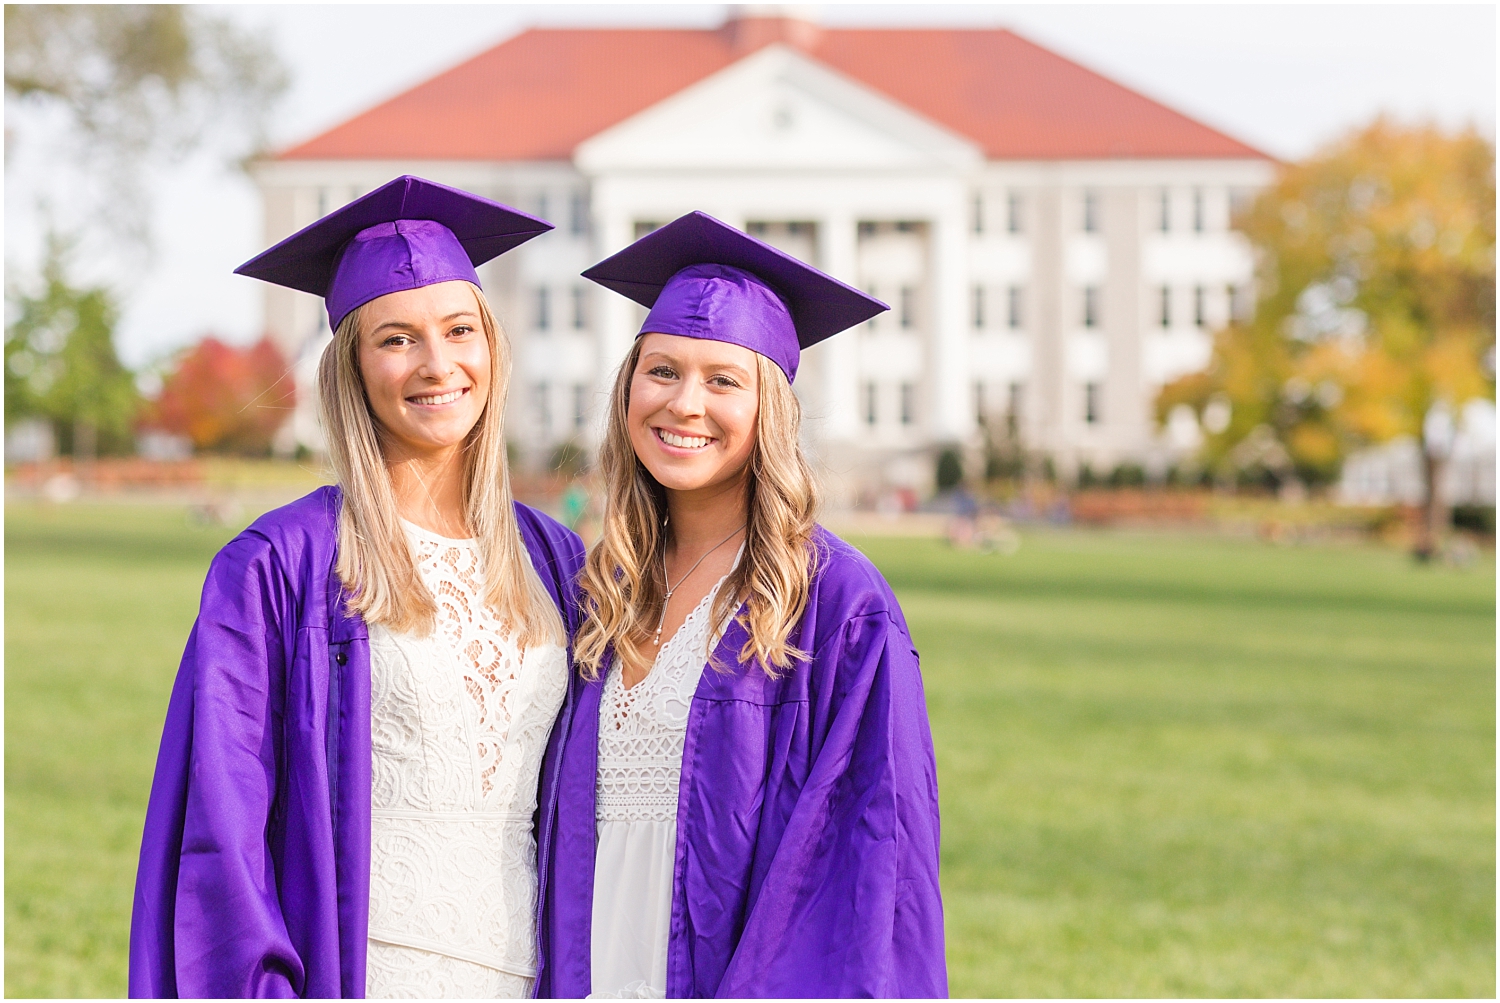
(1053, 245)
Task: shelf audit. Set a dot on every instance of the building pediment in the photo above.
(777, 110)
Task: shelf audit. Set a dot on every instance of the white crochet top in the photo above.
(642, 731)
(459, 722)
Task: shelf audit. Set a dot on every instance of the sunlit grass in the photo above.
(1169, 766)
(1175, 766)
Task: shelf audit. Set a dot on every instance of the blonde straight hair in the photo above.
(622, 586)
(375, 562)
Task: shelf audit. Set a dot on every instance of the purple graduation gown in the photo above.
(254, 877)
(807, 820)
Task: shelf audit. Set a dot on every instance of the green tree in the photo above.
(118, 89)
(1375, 311)
(950, 468)
(134, 85)
(60, 365)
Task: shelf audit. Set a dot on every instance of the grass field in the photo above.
(1169, 766)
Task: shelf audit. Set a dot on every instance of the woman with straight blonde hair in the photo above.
(344, 799)
(743, 801)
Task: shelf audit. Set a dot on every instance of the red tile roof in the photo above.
(538, 95)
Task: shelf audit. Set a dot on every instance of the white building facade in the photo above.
(1051, 297)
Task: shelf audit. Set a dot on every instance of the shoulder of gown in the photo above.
(846, 584)
(557, 553)
(308, 526)
(299, 540)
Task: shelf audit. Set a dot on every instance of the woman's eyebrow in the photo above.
(408, 325)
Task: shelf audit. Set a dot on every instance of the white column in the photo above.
(838, 236)
(615, 226)
(952, 410)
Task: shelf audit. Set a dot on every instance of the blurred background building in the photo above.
(1054, 246)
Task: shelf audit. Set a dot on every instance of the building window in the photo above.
(1013, 306)
(981, 412)
(644, 226)
(541, 205)
(580, 308)
(1200, 306)
(908, 306)
(322, 202)
(1091, 393)
(908, 403)
(874, 292)
(543, 308)
(1239, 202)
(1166, 306)
(1090, 212)
(1239, 303)
(978, 207)
(979, 308)
(1199, 222)
(578, 214)
(867, 229)
(541, 401)
(872, 401)
(1091, 306)
(1164, 222)
(1013, 407)
(580, 405)
(1013, 214)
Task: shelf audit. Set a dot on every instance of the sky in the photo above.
(1285, 79)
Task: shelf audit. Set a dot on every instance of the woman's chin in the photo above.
(432, 442)
(683, 479)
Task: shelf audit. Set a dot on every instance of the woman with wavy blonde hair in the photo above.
(743, 800)
(344, 797)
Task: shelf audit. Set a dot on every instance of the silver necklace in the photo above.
(656, 640)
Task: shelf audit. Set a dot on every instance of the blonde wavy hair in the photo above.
(622, 586)
(375, 562)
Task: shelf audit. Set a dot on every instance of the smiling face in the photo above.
(426, 365)
(693, 410)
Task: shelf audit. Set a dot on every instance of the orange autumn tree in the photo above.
(1375, 309)
(226, 399)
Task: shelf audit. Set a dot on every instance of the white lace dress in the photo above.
(459, 722)
(641, 734)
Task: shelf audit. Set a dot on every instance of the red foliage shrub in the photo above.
(226, 399)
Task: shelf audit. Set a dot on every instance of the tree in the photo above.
(950, 468)
(132, 85)
(1375, 313)
(226, 399)
(60, 364)
(96, 94)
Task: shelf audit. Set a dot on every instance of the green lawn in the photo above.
(1169, 766)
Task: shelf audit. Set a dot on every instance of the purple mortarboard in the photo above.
(705, 279)
(403, 235)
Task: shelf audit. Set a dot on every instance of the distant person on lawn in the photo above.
(344, 796)
(741, 798)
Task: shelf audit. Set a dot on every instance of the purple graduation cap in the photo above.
(403, 235)
(705, 279)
